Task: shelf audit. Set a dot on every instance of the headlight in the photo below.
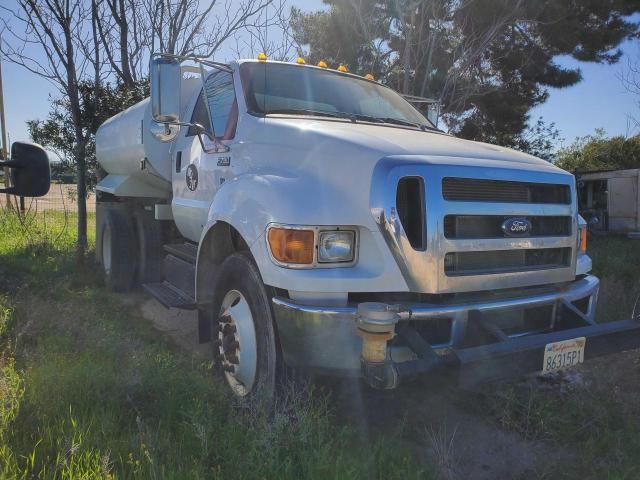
(304, 246)
(336, 247)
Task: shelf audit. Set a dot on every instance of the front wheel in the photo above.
(244, 336)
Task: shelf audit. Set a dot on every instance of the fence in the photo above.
(58, 210)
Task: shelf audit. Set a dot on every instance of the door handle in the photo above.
(178, 161)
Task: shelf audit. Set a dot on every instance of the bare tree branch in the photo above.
(50, 39)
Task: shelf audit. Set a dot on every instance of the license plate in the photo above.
(564, 354)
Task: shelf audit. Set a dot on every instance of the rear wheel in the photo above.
(118, 251)
(244, 336)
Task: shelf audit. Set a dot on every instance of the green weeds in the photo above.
(616, 260)
(90, 390)
(590, 422)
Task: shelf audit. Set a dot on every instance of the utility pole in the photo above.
(4, 155)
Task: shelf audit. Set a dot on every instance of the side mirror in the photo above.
(165, 75)
(433, 113)
(30, 173)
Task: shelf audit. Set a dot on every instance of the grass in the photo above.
(593, 429)
(89, 390)
(616, 260)
(594, 422)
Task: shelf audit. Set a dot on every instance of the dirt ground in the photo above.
(428, 415)
(60, 197)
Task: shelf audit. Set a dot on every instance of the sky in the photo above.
(599, 101)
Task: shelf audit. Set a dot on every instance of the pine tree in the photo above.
(489, 62)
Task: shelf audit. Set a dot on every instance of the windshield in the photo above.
(272, 88)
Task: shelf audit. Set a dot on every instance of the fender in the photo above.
(248, 203)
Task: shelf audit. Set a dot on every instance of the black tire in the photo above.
(150, 241)
(118, 251)
(239, 273)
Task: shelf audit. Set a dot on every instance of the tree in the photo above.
(129, 30)
(489, 62)
(538, 139)
(596, 152)
(56, 28)
(271, 36)
(630, 80)
(56, 132)
(77, 43)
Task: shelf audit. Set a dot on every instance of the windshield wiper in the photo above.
(321, 113)
(350, 116)
(365, 118)
(398, 121)
(296, 111)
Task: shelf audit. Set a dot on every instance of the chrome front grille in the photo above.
(505, 261)
(480, 190)
(490, 226)
(463, 247)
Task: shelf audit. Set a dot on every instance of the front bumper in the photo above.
(326, 339)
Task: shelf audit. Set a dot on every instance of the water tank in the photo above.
(137, 162)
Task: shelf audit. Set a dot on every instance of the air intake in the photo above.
(505, 261)
(410, 204)
(500, 191)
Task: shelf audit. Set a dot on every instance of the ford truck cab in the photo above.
(316, 220)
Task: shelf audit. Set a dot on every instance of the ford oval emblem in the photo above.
(516, 227)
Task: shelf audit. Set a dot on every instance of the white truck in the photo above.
(318, 221)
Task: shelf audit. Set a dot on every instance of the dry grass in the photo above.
(443, 451)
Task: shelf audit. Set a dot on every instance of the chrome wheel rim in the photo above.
(237, 346)
(106, 250)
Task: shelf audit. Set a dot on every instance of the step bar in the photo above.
(170, 296)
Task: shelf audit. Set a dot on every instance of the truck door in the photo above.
(198, 175)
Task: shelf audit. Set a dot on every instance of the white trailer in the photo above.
(613, 198)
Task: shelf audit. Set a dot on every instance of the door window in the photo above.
(200, 115)
(223, 106)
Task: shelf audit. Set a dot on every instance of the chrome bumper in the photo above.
(325, 339)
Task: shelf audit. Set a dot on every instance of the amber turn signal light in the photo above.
(583, 238)
(291, 246)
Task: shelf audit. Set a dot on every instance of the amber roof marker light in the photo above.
(322, 64)
(262, 57)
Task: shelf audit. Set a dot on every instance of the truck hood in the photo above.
(390, 140)
(328, 167)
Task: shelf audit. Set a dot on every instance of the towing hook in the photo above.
(376, 324)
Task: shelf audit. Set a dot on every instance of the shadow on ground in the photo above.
(438, 422)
